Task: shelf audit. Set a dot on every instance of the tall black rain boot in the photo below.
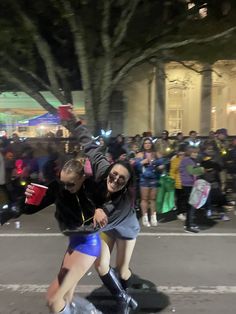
(125, 301)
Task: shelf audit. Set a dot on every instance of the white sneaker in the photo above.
(181, 217)
(154, 222)
(145, 221)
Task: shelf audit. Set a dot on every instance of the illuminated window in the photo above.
(175, 109)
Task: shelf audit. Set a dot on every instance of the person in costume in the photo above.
(112, 194)
(73, 210)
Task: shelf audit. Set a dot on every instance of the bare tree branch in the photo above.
(140, 58)
(45, 53)
(12, 77)
(191, 67)
(78, 32)
(106, 41)
(63, 75)
(29, 73)
(121, 28)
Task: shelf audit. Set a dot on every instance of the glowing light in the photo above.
(106, 133)
(95, 137)
(231, 107)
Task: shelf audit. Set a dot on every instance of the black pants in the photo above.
(179, 200)
(190, 210)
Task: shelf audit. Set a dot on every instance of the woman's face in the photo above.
(117, 178)
(71, 182)
(147, 145)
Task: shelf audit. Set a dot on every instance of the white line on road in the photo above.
(33, 288)
(142, 234)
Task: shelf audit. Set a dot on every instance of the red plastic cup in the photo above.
(64, 112)
(39, 193)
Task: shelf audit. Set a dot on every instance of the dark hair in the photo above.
(190, 149)
(165, 132)
(182, 148)
(147, 139)
(129, 168)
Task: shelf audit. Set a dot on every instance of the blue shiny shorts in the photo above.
(89, 244)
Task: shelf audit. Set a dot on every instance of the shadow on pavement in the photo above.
(201, 219)
(143, 291)
(204, 222)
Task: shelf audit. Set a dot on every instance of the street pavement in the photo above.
(180, 272)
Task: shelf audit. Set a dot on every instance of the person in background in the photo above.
(189, 170)
(179, 141)
(4, 192)
(149, 167)
(230, 164)
(138, 141)
(193, 140)
(210, 140)
(175, 174)
(222, 143)
(117, 147)
(164, 145)
(211, 174)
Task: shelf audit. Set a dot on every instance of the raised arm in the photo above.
(98, 161)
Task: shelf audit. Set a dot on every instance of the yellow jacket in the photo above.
(174, 171)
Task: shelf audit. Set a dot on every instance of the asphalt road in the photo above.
(182, 273)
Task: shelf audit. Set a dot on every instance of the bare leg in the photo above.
(102, 264)
(153, 195)
(75, 265)
(144, 200)
(124, 253)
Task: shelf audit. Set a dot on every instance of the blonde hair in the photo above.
(74, 165)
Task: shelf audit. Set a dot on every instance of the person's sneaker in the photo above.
(181, 217)
(154, 222)
(191, 230)
(145, 221)
(225, 218)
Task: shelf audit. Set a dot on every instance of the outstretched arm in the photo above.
(23, 208)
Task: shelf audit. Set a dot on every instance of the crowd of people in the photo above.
(98, 186)
(185, 159)
(212, 158)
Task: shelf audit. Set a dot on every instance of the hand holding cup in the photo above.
(34, 193)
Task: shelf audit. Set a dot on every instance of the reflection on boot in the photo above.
(83, 306)
(125, 301)
(66, 310)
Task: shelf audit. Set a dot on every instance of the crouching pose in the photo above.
(73, 210)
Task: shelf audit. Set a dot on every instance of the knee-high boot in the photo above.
(125, 301)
